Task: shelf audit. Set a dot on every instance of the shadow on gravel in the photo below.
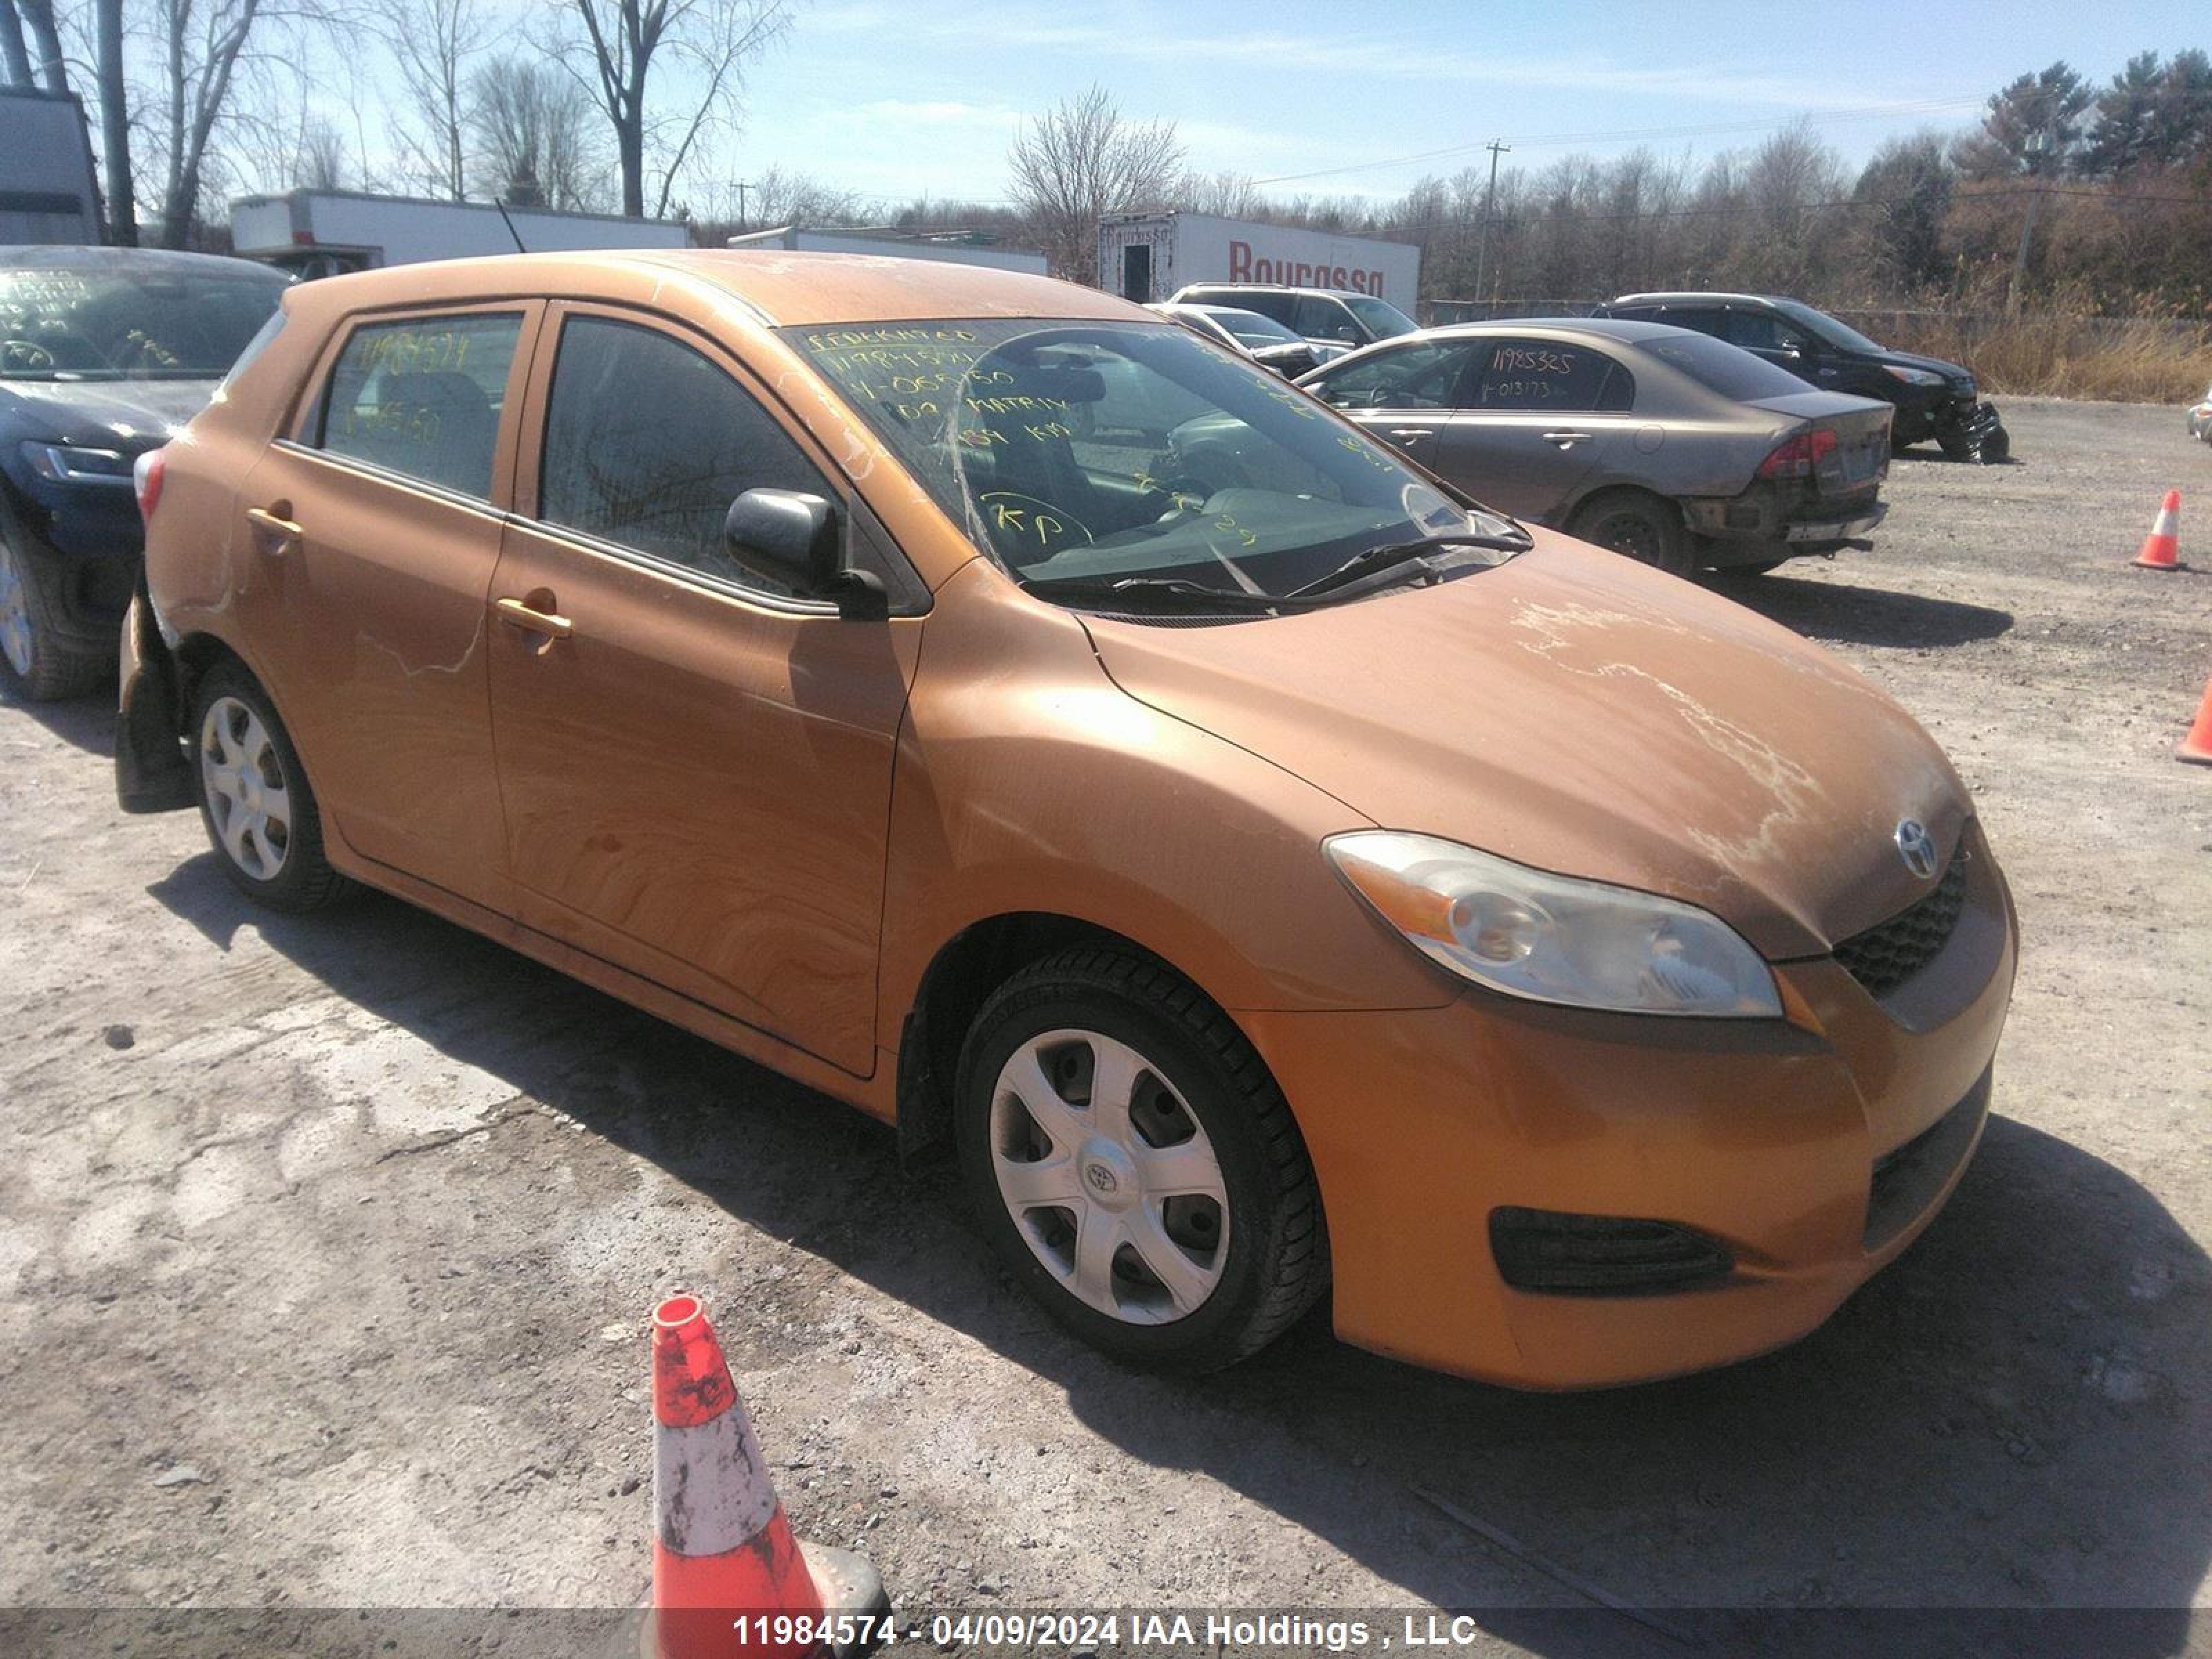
(2016, 1416)
(1863, 616)
(88, 722)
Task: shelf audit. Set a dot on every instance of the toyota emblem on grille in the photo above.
(1917, 848)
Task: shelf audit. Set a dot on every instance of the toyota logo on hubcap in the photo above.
(1917, 848)
(1101, 1178)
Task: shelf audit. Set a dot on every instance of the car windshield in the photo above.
(1835, 333)
(1719, 366)
(1251, 329)
(1089, 453)
(1384, 320)
(118, 322)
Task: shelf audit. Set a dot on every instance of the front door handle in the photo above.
(1406, 434)
(283, 531)
(1565, 440)
(516, 614)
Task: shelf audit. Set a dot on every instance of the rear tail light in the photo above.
(147, 475)
(1797, 457)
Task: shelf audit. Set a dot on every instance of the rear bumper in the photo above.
(1764, 523)
(1814, 1149)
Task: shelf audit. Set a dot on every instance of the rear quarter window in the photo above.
(1728, 370)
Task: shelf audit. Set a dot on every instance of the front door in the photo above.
(696, 767)
(370, 532)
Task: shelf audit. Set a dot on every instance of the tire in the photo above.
(1635, 525)
(1241, 1248)
(34, 662)
(254, 797)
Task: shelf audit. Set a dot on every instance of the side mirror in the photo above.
(793, 539)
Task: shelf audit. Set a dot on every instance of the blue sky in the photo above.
(893, 99)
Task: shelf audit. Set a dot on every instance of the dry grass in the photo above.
(2058, 355)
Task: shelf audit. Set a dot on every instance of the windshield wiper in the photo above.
(1373, 561)
(1139, 590)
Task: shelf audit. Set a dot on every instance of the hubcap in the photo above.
(247, 800)
(1109, 1177)
(14, 613)
(1629, 535)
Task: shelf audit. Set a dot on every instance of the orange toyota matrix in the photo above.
(1278, 876)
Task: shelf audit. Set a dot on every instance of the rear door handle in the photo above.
(516, 614)
(1564, 439)
(282, 530)
(1406, 434)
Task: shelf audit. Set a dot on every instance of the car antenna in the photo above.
(509, 223)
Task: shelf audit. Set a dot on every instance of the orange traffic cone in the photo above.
(2161, 549)
(722, 1553)
(2197, 746)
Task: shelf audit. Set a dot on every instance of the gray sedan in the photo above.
(1669, 445)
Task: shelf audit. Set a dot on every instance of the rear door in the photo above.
(695, 765)
(1766, 334)
(1535, 417)
(370, 531)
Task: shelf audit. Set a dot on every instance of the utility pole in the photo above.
(1489, 202)
(741, 206)
(2038, 146)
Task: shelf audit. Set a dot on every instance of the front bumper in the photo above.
(1815, 1148)
(87, 543)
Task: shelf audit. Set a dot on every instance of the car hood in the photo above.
(125, 415)
(1586, 715)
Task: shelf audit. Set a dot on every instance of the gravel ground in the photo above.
(325, 1245)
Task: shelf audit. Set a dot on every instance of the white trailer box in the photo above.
(46, 192)
(799, 240)
(1149, 256)
(321, 232)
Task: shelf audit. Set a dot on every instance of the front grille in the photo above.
(1566, 1255)
(1890, 952)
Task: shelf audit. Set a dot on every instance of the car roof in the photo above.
(49, 256)
(1272, 287)
(1672, 295)
(1603, 328)
(778, 287)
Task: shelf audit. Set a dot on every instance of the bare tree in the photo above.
(201, 49)
(536, 141)
(319, 160)
(703, 45)
(434, 44)
(115, 125)
(1079, 163)
(1230, 195)
(15, 50)
(51, 63)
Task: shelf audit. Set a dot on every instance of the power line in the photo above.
(1531, 141)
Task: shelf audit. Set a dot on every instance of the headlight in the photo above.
(1912, 376)
(1550, 938)
(65, 464)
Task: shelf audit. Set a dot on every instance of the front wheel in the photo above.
(1637, 526)
(253, 795)
(1134, 1165)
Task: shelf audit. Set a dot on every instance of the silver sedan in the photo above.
(1669, 445)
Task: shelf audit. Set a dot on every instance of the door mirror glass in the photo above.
(785, 536)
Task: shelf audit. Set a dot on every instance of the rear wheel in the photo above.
(33, 660)
(1134, 1165)
(253, 796)
(1638, 526)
